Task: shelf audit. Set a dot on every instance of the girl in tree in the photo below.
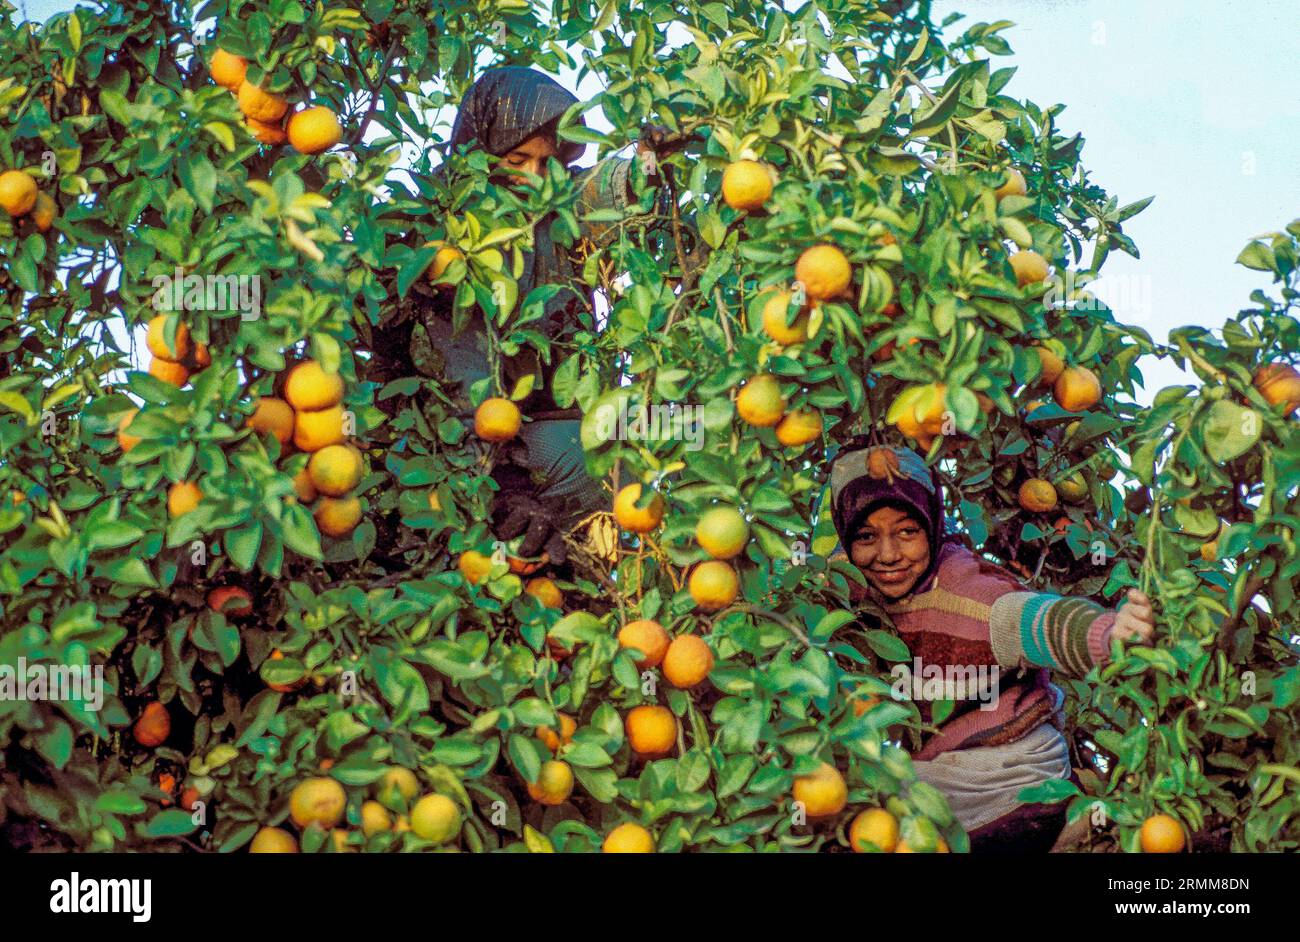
(954, 609)
(512, 113)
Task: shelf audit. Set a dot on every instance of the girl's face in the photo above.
(530, 156)
(892, 550)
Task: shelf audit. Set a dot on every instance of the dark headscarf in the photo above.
(914, 489)
(507, 106)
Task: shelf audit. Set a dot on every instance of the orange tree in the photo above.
(270, 535)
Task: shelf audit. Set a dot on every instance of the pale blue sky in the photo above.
(1195, 102)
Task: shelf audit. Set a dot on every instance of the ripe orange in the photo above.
(303, 488)
(633, 518)
(824, 272)
(200, 358)
(230, 600)
(554, 783)
(1073, 488)
(876, 826)
(774, 320)
(17, 192)
(746, 185)
(649, 638)
(156, 340)
(651, 731)
(496, 420)
(435, 818)
(442, 259)
(314, 430)
(174, 373)
(687, 662)
(1077, 389)
(524, 567)
(273, 841)
(760, 402)
(182, 497)
(545, 591)
(473, 566)
(552, 740)
(335, 469)
(375, 818)
(337, 516)
(314, 130)
(1162, 834)
(1053, 365)
(628, 838)
(272, 415)
(309, 387)
(1279, 384)
(266, 132)
(1014, 185)
(398, 782)
(153, 726)
(228, 69)
(800, 427)
(713, 585)
(1029, 267)
(1037, 495)
(127, 441)
(44, 212)
(261, 105)
(722, 532)
(823, 792)
(188, 798)
(317, 800)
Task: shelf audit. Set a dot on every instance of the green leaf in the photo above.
(1230, 430)
(170, 823)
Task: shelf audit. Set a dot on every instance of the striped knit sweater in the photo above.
(973, 613)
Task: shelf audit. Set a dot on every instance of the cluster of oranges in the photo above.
(21, 198)
(174, 362)
(310, 130)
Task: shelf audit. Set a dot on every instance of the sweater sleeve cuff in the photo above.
(1099, 637)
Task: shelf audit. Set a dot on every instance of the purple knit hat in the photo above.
(903, 479)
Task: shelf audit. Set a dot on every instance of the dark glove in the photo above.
(516, 512)
(660, 140)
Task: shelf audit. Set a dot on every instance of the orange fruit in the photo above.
(274, 416)
(628, 838)
(303, 488)
(337, 516)
(1279, 384)
(876, 826)
(1037, 495)
(823, 792)
(473, 565)
(526, 567)
(649, 638)
(273, 841)
(228, 69)
(1029, 267)
(940, 847)
(774, 320)
(314, 130)
(375, 818)
(1162, 834)
(182, 497)
(1073, 488)
(259, 104)
(435, 818)
(17, 192)
(862, 704)
(545, 591)
(824, 272)
(314, 430)
(722, 532)
(1053, 365)
(44, 212)
(266, 132)
(713, 585)
(200, 358)
(1077, 389)
(554, 783)
(317, 800)
(496, 420)
(746, 185)
(760, 402)
(156, 340)
(153, 726)
(309, 387)
(335, 469)
(188, 798)
(687, 662)
(651, 731)
(1014, 185)
(398, 782)
(126, 441)
(231, 600)
(800, 427)
(552, 740)
(174, 373)
(633, 518)
(442, 259)
(167, 784)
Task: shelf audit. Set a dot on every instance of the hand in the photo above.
(515, 513)
(1135, 620)
(657, 139)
